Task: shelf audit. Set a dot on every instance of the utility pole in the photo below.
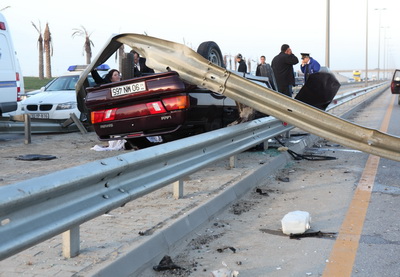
(327, 42)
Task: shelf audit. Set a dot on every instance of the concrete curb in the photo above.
(151, 251)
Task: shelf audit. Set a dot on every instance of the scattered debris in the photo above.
(296, 222)
(261, 192)
(224, 272)
(297, 156)
(242, 207)
(220, 250)
(284, 179)
(318, 234)
(35, 157)
(166, 263)
(113, 145)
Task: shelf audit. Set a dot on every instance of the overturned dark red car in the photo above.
(159, 104)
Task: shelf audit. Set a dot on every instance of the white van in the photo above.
(11, 80)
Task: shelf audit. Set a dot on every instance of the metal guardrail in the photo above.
(35, 210)
(348, 96)
(18, 125)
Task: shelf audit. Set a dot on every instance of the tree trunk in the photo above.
(47, 50)
(121, 56)
(88, 50)
(41, 68)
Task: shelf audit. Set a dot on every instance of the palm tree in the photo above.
(48, 49)
(40, 46)
(88, 43)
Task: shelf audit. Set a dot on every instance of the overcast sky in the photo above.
(252, 28)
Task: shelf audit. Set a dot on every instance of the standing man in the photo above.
(308, 65)
(242, 64)
(262, 69)
(282, 65)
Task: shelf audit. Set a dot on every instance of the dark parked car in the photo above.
(160, 104)
(395, 84)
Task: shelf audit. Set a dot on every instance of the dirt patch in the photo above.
(70, 149)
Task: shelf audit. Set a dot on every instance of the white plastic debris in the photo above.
(296, 222)
(224, 272)
(113, 145)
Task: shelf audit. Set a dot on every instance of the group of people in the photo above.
(282, 67)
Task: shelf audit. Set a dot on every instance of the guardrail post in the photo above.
(178, 189)
(78, 123)
(71, 242)
(265, 145)
(232, 161)
(27, 128)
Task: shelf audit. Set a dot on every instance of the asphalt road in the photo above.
(251, 226)
(355, 196)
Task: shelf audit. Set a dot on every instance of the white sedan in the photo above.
(57, 99)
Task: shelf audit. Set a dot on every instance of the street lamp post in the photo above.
(379, 38)
(327, 42)
(366, 47)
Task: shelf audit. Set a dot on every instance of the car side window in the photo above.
(397, 76)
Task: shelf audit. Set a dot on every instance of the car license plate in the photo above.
(128, 89)
(39, 115)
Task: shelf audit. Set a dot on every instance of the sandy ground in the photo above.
(104, 237)
(70, 149)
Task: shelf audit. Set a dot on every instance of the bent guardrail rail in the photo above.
(165, 55)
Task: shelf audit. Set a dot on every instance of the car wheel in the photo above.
(210, 50)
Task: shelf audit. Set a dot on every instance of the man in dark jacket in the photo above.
(282, 65)
(139, 65)
(242, 64)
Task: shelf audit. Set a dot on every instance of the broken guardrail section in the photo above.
(163, 55)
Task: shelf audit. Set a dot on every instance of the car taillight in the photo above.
(2, 26)
(18, 84)
(176, 103)
(103, 115)
(155, 107)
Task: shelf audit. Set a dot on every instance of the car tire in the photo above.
(211, 51)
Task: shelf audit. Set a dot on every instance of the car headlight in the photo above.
(66, 106)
